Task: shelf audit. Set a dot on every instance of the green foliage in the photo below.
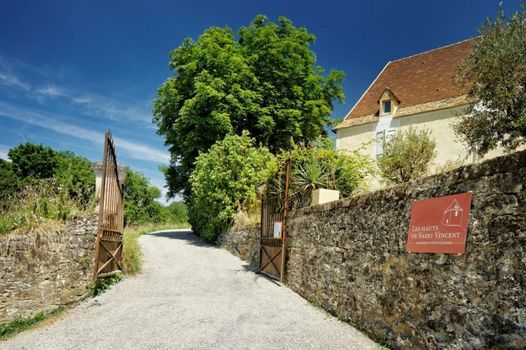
(9, 182)
(141, 203)
(224, 181)
(39, 203)
(11, 221)
(175, 212)
(496, 74)
(33, 161)
(342, 317)
(102, 284)
(407, 155)
(76, 175)
(40, 185)
(21, 324)
(265, 81)
(140, 200)
(318, 165)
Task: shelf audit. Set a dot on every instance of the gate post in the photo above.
(285, 220)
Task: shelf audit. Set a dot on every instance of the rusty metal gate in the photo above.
(274, 211)
(109, 245)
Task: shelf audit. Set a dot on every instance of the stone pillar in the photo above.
(322, 195)
(98, 169)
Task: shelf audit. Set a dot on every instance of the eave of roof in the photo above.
(459, 101)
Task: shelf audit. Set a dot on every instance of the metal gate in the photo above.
(109, 246)
(274, 211)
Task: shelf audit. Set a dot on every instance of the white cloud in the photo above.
(3, 152)
(91, 103)
(131, 149)
(51, 91)
(9, 79)
(112, 109)
(81, 99)
(142, 151)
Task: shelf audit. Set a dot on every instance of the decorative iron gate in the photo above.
(109, 246)
(274, 211)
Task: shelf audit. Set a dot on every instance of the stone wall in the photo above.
(243, 242)
(40, 271)
(350, 256)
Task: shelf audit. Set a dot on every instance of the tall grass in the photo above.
(132, 251)
(41, 204)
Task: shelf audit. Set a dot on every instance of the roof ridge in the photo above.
(370, 85)
(435, 49)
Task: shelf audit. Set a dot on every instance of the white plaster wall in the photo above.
(449, 147)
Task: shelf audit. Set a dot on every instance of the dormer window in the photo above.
(388, 103)
(387, 106)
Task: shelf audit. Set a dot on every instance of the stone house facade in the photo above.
(416, 91)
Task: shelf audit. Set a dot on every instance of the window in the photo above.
(387, 106)
(381, 138)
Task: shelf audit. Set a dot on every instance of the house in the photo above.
(417, 91)
(453, 214)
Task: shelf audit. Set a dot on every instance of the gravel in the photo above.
(191, 295)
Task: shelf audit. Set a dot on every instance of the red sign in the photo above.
(439, 225)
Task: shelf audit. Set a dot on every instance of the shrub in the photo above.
(407, 155)
(224, 181)
(9, 182)
(320, 166)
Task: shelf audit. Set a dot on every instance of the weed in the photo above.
(85, 262)
(342, 317)
(102, 284)
(20, 324)
(314, 302)
(40, 204)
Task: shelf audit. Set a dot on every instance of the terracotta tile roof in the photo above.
(418, 79)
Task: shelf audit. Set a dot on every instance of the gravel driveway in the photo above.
(191, 295)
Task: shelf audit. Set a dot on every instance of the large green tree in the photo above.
(140, 199)
(33, 160)
(264, 80)
(496, 74)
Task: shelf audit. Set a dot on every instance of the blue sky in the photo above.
(69, 70)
